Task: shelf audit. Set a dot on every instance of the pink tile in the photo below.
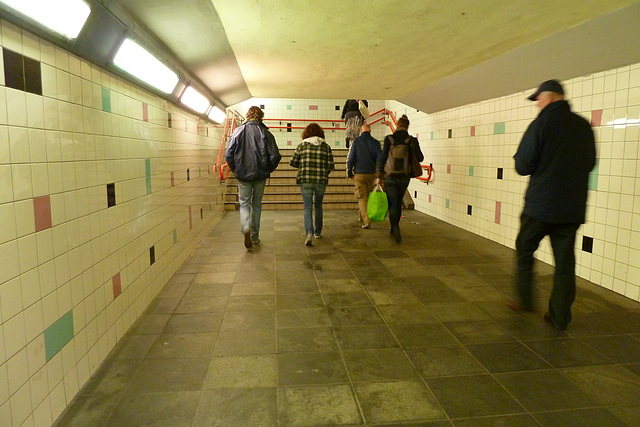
(289, 143)
(190, 218)
(145, 111)
(448, 168)
(596, 118)
(498, 211)
(173, 179)
(42, 212)
(429, 198)
(117, 285)
(473, 131)
(313, 107)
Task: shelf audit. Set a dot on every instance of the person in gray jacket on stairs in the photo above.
(252, 154)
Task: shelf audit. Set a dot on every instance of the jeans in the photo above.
(563, 238)
(395, 189)
(309, 190)
(250, 197)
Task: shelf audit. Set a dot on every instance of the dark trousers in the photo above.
(563, 238)
(395, 189)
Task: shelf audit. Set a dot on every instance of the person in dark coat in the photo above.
(361, 167)
(252, 155)
(353, 119)
(558, 152)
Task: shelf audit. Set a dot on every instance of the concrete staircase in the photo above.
(282, 192)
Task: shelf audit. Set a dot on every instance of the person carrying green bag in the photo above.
(377, 205)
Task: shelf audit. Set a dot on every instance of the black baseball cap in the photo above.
(548, 86)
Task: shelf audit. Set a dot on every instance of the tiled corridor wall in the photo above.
(104, 191)
(283, 116)
(475, 186)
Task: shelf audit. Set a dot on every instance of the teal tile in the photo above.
(593, 176)
(499, 128)
(447, 204)
(147, 166)
(106, 100)
(470, 170)
(432, 134)
(58, 335)
(175, 236)
(288, 107)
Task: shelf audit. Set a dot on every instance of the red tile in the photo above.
(145, 111)
(313, 107)
(173, 181)
(498, 211)
(473, 131)
(42, 212)
(117, 285)
(448, 168)
(596, 118)
(429, 198)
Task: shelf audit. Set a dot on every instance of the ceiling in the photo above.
(429, 54)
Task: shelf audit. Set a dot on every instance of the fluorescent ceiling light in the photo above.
(137, 61)
(217, 115)
(623, 123)
(194, 100)
(65, 17)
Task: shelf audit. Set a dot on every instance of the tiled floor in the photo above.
(360, 330)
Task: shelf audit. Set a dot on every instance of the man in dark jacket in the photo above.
(558, 152)
(252, 155)
(361, 167)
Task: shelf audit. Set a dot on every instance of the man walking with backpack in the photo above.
(394, 165)
(252, 155)
(361, 167)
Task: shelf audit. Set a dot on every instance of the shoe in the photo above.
(515, 306)
(395, 232)
(317, 236)
(255, 242)
(366, 225)
(247, 239)
(549, 319)
(309, 240)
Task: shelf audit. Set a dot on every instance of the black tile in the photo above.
(111, 195)
(545, 391)
(588, 417)
(13, 69)
(567, 352)
(32, 76)
(587, 244)
(472, 396)
(500, 172)
(152, 255)
(507, 357)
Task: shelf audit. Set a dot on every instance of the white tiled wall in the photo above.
(465, 172)
(68, 145)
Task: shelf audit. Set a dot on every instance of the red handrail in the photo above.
(230, 123)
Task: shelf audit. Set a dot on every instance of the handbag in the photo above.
(415, 168)
(363, 110)
(377, 205)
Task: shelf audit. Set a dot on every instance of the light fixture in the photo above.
(65, 17)
(194, 100)
(217, 115)
(623, 123)
(137, 61)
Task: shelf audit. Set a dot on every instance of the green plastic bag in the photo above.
(377, 206)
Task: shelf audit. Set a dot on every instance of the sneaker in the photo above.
(366, 225)
(317, 236)
(247, 239)
(309, 240)
(255, 242)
